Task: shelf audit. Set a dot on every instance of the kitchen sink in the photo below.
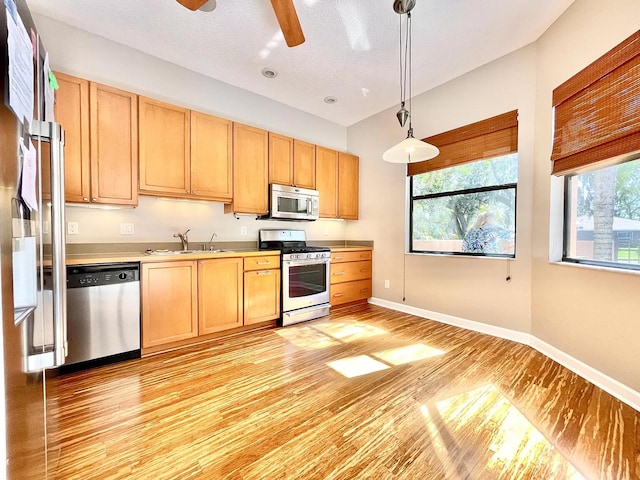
(183, 252)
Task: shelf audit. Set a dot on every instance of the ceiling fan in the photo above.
(284, 10)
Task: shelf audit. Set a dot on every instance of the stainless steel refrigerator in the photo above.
(32, 261)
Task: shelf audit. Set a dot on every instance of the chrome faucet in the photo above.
(211, 246)
(183, 238)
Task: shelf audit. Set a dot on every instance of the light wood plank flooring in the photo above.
(297, 403)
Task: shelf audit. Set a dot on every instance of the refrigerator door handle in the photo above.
(52, 132)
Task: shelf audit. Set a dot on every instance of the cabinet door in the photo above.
(211, 157)
(169, 302)
(261, 296)
(280, 159)
(72, 112)
(304, 164)
(219, 294)
(250, 170)
(114, 145)
(327, 181)
(348, 186)
(164, 148)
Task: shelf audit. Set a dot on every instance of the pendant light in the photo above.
(410, 149)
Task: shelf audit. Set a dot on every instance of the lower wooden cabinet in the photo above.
(350, 276)
(261, 296)
(186, 299)
(169, 302)
(220, 294)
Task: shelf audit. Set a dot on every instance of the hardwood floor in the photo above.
(295, 403)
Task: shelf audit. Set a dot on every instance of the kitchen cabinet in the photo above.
(164, 148)
(72, 112)
(261, 289)
(101, 142)
(169, 302)
(351, 274)
(250, 170)
(220, 294)
(113, 131)
(327, 181)
(211, 157)
(291, 162)
(337, 177)
(348, 169)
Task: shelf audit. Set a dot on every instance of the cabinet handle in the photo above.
(338, 294)
(85, 199)
(263, 263)
(94, 199)
(339, 273)
(264, 272)
(363, 269)
(338, 257)
(364, 289)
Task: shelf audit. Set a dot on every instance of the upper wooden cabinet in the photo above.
(291, 162)
(327, 181)
(72, 112)
(280, 159)
(348, 168)
(250, 170)
(164, 148)
(211, 157)
(101, 141)
(114, 145)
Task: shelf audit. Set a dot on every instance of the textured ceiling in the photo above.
(351, 49)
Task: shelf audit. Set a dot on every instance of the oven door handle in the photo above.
(299, 263)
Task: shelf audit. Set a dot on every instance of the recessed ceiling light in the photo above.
(330, 100)
(269, 72)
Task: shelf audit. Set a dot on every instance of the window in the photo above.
(466, 209)
(596, 146)
(464, 200)
(602, 220)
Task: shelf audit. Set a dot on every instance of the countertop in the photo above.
(352, 248)
(118, 257)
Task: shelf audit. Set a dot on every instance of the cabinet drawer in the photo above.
(350, 292)
(337, 257)
(261, 263)
(348, 272)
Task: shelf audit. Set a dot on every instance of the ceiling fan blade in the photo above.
(288, 20)
(192, 4)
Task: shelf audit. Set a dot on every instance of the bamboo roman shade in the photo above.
(597, 111)
(488, 138)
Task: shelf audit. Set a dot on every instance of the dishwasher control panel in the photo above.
(81, 276)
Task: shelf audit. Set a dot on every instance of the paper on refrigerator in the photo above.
(20, 51)
(28, 175)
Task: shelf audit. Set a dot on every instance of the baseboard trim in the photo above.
(619, 390)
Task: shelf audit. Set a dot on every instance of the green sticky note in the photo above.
(53, 81)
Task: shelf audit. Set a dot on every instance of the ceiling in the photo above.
(351, 50)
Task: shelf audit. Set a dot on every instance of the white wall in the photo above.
(471, 288)
(88, 56)
(589, 314)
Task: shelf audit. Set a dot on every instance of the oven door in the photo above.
(305, 283)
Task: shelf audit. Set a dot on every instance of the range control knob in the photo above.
(122, 276)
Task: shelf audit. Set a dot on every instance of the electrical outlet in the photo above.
(387, 284)
(73, 228)
(126, 229)
(243, 231)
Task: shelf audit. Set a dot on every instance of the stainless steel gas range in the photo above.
(305, 275)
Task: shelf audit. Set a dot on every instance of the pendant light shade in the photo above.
(410, 150)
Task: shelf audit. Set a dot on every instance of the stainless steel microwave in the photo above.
(293, 203)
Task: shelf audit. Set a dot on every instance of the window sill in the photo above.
(461, 255)
(594, 267)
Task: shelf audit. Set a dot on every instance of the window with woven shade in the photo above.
(463, 202)
(596, 146)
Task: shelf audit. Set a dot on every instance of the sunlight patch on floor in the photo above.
(307, 338)
(349, 332)
(356, 366)
(485, 422)
(407, 354)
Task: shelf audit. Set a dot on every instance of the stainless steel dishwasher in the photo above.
(103, 313)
